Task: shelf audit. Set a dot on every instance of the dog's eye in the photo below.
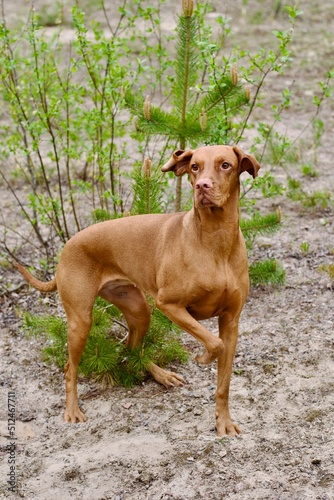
(194, 167)
(225, 165)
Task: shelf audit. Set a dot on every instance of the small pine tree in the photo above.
(194, 117)
(269, 271)
(147, 189)
(106, 358)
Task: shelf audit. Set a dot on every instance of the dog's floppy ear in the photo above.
(247, 163)
(179, 162)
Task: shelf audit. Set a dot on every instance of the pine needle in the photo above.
(260, 225)
(267, 272)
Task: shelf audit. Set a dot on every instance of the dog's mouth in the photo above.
(205, 201)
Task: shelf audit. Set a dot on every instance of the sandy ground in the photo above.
(149, 443)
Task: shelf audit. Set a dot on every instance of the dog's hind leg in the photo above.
(78, 327)
(131, 301)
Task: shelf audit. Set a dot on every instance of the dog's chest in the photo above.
(212, 282)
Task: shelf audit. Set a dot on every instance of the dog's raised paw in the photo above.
(205, 358)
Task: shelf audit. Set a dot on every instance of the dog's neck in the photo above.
(215, 226)
(213, 219)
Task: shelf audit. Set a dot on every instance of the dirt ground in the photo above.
(149, 443)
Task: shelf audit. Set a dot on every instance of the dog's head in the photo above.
(214, 172)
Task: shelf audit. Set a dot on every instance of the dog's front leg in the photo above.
(180, 316)
(228, 332)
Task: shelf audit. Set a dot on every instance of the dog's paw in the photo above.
(172, 379)
(205, 358)
(208, 357)
(74, 416)
(166, 378)
(227, 428)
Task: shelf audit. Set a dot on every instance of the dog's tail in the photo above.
(48, 286)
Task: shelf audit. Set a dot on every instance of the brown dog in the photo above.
(193, 264)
